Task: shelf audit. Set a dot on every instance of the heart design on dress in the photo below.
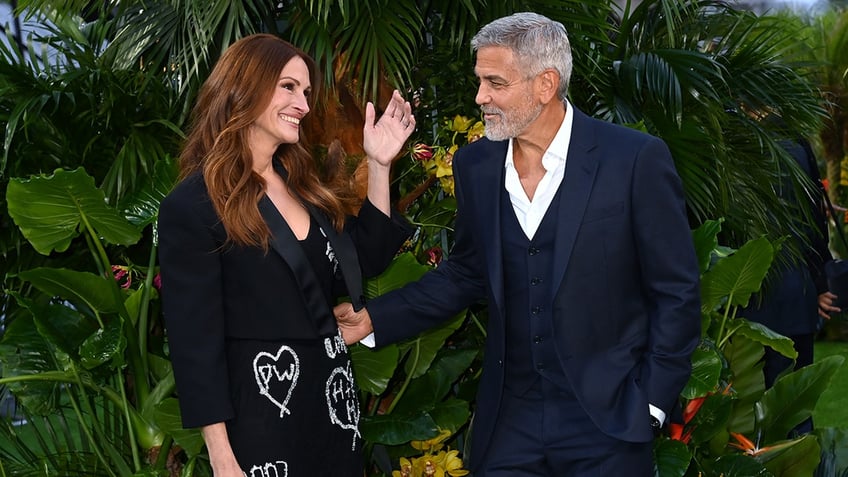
(276, 376)
(343, 402)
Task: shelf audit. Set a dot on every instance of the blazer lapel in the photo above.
(346, 255)
(284, 242)
(490, 176)
(580, 169)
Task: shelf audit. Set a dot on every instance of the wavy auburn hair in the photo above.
(237, 91)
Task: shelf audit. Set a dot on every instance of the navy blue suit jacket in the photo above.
(626, 301)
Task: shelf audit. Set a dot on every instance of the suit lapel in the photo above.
(490, 177)
(580, 169)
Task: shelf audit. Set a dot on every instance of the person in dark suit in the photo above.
(575, 230)
(798, 297)
(254, 252)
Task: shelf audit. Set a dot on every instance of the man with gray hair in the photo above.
(575, 231)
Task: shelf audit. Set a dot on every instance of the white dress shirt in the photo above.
(531, 212)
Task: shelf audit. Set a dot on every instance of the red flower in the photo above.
(692, 408)
(676, 432)
(434, 256)
(122, 274)
(422, 152)
(157, 282)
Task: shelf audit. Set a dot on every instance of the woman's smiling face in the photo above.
(279, 123)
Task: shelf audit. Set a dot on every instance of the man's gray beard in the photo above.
(496, 134)
(510, 129)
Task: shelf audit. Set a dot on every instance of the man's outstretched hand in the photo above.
(354, 326)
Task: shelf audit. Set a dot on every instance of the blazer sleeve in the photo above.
(670, 273)
(440, 294)
(190, 268)
(377, 237)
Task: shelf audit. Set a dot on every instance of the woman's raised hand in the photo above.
(384, 139)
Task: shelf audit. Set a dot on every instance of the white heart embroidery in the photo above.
(276, 376)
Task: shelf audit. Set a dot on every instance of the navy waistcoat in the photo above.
(528, 280)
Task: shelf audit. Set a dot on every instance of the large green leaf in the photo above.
(86, 291)
(61, 325)
(24, 352)
(711, 418)
(167, 418)
(736, 465)
(142, 208)
(451, 414)
(765, 336)
(403, 269)
(105, 345)
(423, 349)
(795, 458)
(396, 429)
(374, 368)
(424, 392)
(834, 459)
(705, 238)
(671, 458)
(744, 356)
(732, 280)
(706, 370)
(792, 398)
(52, 210)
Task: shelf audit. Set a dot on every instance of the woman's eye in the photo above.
(288, 86)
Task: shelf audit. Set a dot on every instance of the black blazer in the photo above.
(213, 291)
(626, 301)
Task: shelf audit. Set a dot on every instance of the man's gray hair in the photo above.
(537, 42)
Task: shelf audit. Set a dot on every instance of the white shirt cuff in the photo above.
(655, 411)
(371, 342)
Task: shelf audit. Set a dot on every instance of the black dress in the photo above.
(251, 334)
(295, 400)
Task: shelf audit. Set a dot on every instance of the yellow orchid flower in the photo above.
(477, 131)
(444, 162)
(452, 464)
(448, 185)
(405, 468)
(460, 123)
(432, 445)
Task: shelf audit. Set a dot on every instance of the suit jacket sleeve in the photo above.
(192, 305)
(670, 273)
(441, 293)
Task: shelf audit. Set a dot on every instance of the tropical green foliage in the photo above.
(732, 425)
(84, 334)
(96, 123)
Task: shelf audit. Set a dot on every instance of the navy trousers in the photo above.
(545, 433)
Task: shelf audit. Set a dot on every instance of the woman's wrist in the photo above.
(378, 166)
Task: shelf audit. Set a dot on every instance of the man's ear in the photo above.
(547, 85)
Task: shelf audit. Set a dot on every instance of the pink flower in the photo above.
(422, 152)
(434, 256)
(157, 282)
(119, 272)
(122, 275)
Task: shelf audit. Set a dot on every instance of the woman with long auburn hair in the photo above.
(254, 252)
